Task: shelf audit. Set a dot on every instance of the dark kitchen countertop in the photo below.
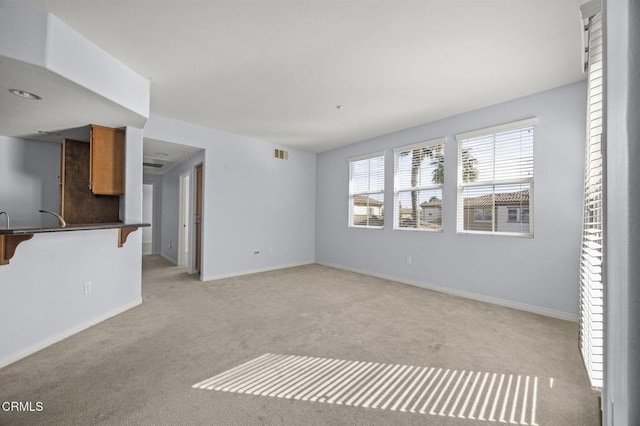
(70, 227)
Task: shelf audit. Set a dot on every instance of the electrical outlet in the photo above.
(87, 287)
(286, 248)
(408, 260)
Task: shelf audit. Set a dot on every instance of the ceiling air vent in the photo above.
(157, 166)
(280, 154)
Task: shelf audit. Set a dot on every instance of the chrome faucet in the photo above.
(7, 215)
(62, 222)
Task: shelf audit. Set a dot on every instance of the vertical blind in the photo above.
(591, 254)
(366, 191)
(495, 179)
(418, 179)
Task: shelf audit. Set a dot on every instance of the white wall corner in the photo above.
(133, 176)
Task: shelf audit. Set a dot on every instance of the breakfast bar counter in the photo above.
(11, 237)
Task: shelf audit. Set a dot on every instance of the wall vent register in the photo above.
(280, 154)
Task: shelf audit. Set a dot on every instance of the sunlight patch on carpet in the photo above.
(476, 395)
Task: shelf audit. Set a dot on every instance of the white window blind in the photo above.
(366, 191)
(418, 179)
(591, 254)
(495, 180)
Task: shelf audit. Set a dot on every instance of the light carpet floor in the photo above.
(139, 367)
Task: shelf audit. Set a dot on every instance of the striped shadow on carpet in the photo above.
(494, 397)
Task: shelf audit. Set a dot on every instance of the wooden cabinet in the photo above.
(78, 205)
(106, 164)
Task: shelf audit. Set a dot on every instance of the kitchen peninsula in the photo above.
(12, 237)
(55, 280)
(91, 184)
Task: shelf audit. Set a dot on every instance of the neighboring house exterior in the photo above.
(404, 213)
(508, 211)
(367, 211)
(431, 211)
(429, 215)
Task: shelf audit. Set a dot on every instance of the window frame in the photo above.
(397, 190)
(353, 194)
(488, 131)
(593, 250)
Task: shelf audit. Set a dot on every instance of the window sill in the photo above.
(496, 234)
(418, 229)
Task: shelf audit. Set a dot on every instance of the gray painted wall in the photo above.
(622, 279)
(29, 177)
(539, 274)
(251, 200)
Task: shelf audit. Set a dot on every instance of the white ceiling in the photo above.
(276, 70)
(165, 154)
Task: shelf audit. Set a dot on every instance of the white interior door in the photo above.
(147, 217)
(184, 229)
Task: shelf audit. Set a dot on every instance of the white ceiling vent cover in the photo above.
(280, 154)
(154, 165)
(154, 162)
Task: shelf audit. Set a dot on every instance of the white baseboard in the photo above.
(253, 271)
(170, 259)
(67, 333)
(147, 247)
(466, 294)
